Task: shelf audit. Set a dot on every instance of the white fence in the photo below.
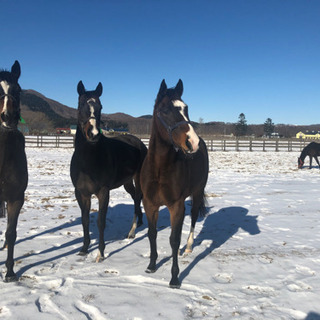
(214, 144)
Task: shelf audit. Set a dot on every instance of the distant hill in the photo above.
(44, 115)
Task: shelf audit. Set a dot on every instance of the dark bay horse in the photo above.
(100, 164)
(13, 161)
(313, 151)
(176, 167)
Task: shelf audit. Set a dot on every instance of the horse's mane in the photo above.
(170, 92)
(5, 75)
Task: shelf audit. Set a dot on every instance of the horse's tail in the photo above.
(203, 209)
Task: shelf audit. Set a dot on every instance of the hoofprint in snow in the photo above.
(256, 255)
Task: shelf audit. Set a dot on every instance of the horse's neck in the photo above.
(159, 151)
(81, 143)
(304, 153)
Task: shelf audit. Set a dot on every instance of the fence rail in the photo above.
(214, 144)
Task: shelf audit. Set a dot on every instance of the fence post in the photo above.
(277, 146)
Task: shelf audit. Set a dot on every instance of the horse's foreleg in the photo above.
(84, 204)
(176, 217)
(152, 213)
(310, 166)
(14, 208)
(103, 197)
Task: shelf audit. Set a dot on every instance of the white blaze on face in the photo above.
(92, 119)
(192, 136)
(5, 88)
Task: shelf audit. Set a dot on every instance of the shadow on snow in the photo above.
(218, 227)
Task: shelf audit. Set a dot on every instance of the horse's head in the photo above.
(300, 163)
(172, 119)
(89, 112)
(10, 97)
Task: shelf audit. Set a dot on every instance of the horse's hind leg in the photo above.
(14, 208)
(152, 213)
(136, 194)
(197, 205)
(317, 161)
(84, 204)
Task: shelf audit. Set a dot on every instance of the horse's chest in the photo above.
(165, 187)
(86, 184)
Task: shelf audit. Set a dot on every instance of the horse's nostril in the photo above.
(188, 144)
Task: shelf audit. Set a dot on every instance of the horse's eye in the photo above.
(165, 110)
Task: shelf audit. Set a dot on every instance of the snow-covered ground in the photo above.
(256, 255)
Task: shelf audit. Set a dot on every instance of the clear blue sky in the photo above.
(259, 57)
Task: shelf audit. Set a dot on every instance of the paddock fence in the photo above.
(213, 144)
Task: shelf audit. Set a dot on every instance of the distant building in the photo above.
(73, 129)
(63, 130)
(310, 135)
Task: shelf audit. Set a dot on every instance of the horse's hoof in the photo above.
(82, 253)
(131, 235)
(188, 251)
(174, 284)
(8, 279)
(99, 258)
(150, 270)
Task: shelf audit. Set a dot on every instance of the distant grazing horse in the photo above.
(100, 164)
(176, 167)
(313, 151)
(13, 161)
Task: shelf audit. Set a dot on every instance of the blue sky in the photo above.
(257, 57)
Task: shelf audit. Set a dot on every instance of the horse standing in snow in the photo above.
(13, 161)
(100, 164)
(313, 151)
(176, 167)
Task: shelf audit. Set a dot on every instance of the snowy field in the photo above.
(256, 255)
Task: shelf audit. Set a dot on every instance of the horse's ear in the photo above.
(99, 89)
(80, 88)
(179, 88)
(163, 89)
(16, 70)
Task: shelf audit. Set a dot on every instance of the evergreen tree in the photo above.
(241, 126)
(268, 127)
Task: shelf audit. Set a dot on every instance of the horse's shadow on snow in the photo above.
(119, 219)
(218, 228)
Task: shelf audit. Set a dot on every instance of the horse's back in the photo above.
(313, 149)
(132, 141)
(112, 162)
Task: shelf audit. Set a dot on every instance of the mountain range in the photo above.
(43, 115)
